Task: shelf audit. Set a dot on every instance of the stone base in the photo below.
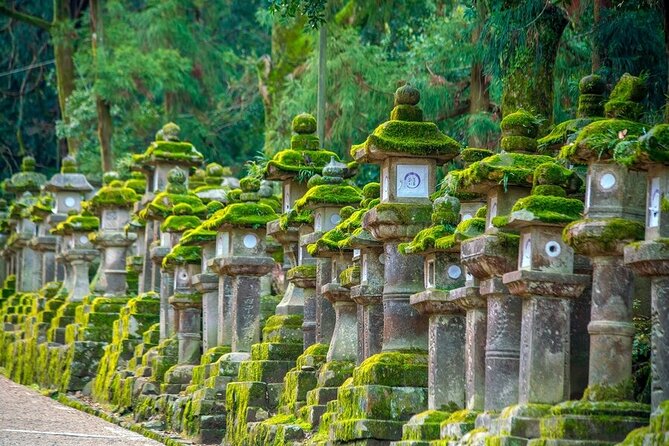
(597, 422)
(423, 428)
(655, 434)
(177, 379)
(385, 391)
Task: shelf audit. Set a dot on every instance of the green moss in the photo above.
(593, 84)
(294, 218)
(550, 209)
(180, 223)
(111, 196)
(416, 138)
(615, 230)
(505, 168)
(302, 271)
(304, 123)
(294, 161)
(520, 123)
(78, 223)
(629, 88)
(518, 144)
(328, 242)
(172, 151)
(371, 190)
(163, 204)
(655, 144)
(253, 215)
(404, 112)
(623, 392)
(552, 174)
(471, 155)
(393, 369)
(334, 194)
(350, 276)
(426, 239)
(547, 189)
(599, 139)
(180, 255)
(197, 236)
(481, 212)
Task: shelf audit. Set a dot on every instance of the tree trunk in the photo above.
(528, 77)
(665, 15)
(61, 37)
(478, 85)
(598, 50)
(105, 126)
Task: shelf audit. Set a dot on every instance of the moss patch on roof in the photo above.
(410, 137)
(170, 151)
(563, 133)
(180, 255)
(425, 239)
(197, 236)
(335, 194)
(113, 195)
(296, 160)
(602, 140)
(294, 218)
(162, 205)
(513, 169)
(77, 223)
(180, 223)
(548, 209)
(252, 214)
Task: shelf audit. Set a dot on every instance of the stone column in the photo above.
(369, 297)
(206, 283)
(344, 341)
(79, 256)
(224, 305)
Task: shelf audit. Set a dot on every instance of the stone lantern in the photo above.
(614, 214)
(213, 189)
(68, 188)
(113, 203)
(43, 242)
(242, 257)
(545, 282)
(503, 178)
(651, 258)
(157, 211)
(326, 196)
(206, 282)
(289, 166)
(163, 155)
(407, 149)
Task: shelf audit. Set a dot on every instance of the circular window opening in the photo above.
(553, 249)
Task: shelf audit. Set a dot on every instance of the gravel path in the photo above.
(28, 418)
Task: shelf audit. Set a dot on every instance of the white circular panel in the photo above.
(607, 181)
(335, 219)
(70, 202)
(466, 217)
(382, 259)
(454, 271)
(553, 248)
(250, 241)
(83, 239)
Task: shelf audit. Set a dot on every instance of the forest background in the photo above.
(98, 78)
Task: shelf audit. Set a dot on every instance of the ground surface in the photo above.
(28, 418)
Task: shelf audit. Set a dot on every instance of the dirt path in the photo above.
(28, 418)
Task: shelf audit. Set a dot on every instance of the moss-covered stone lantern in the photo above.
(27, 180)
(44, 243)
(293, 167)
(545, 282)
(651, 258)
(157, 211)
(113, 204)
(212, 188)
(26, 259)
(407, 149)
(368, 293)
(206, 282)
(163, 155)
(503, 178)
(246, 260)
(326, 196)
(613, 217)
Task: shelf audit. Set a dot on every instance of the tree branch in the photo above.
(26, 18)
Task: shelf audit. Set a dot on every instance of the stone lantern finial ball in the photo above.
(407, 94)
(28, 164)
(249, 184)
(170, 132)
(446, 210)
(109, 177)
(265, 190)
(592, 84)
(214, 206)
(304, 124)
(214, 170)
(68, 165)
(176, 176)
